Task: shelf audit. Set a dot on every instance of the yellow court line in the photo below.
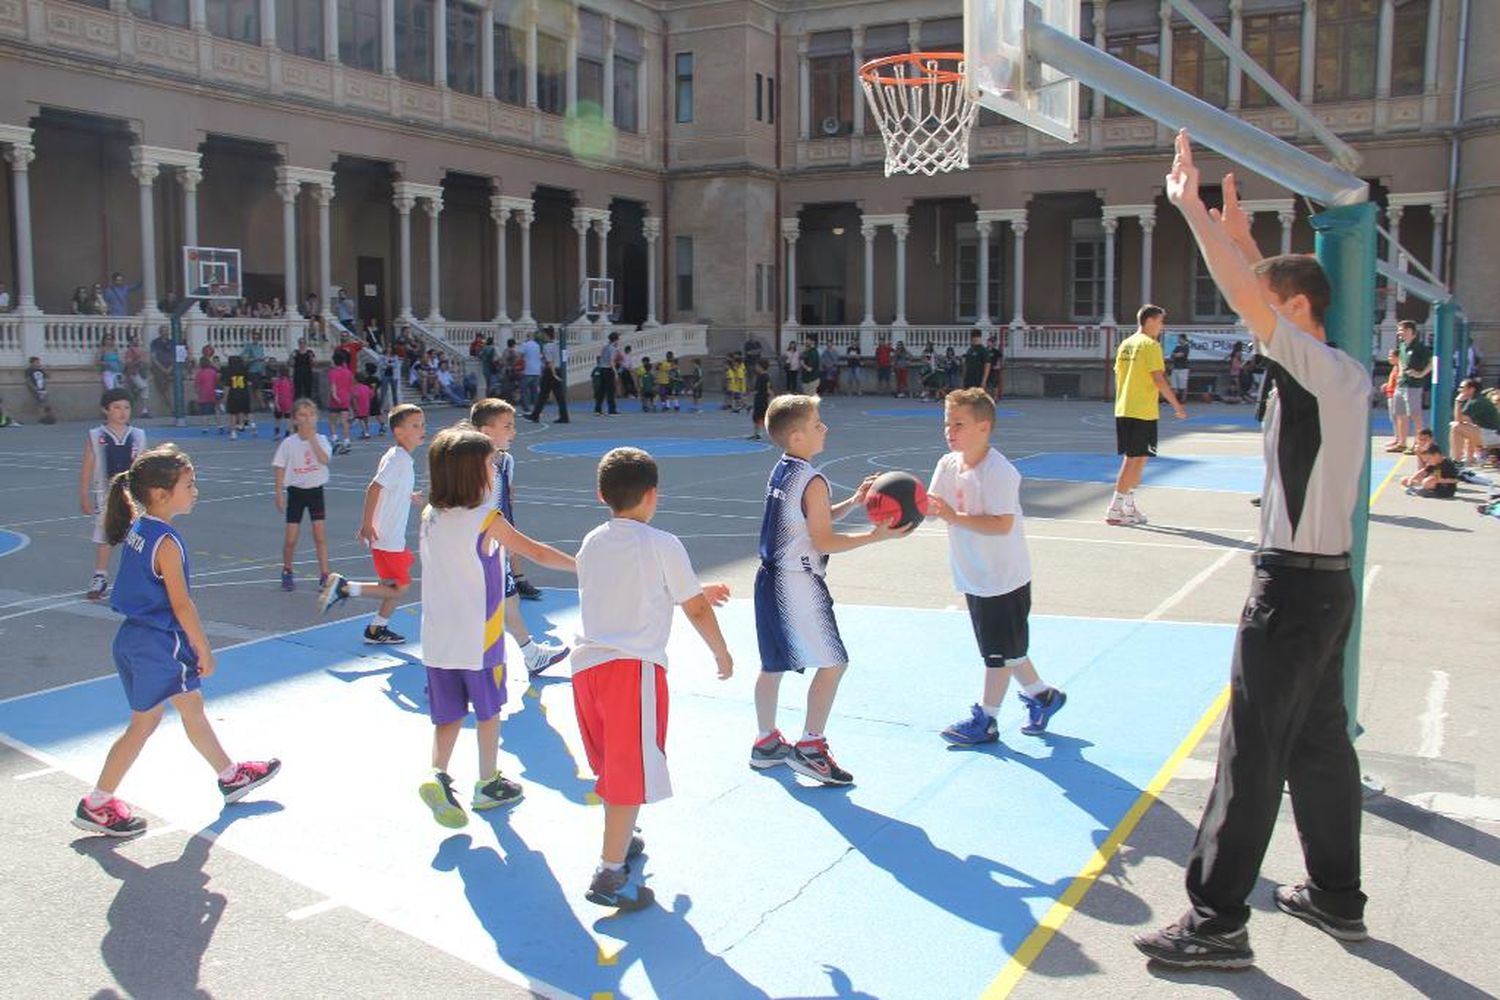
(1387, 480)
(1049, 925)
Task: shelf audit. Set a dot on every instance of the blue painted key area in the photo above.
(12, 542)
(918, 881)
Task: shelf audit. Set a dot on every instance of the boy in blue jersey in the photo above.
(793, 610)
(108, 451)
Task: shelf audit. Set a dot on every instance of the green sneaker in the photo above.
(498, 791)
(437, 792)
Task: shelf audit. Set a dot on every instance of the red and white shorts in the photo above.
(622, 715)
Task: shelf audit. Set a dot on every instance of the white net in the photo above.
(924, 109)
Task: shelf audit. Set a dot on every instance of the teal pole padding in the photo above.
(1346, 249)
(1461, 338)
(1447, 376)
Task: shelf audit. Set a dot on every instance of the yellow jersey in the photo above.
(1135, 390)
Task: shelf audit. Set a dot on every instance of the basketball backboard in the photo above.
(211, 273)
(599, 297)
(1003, 79)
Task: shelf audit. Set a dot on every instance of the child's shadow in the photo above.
(673, 956)
(544, 756)
(163, 917)
(406, 682)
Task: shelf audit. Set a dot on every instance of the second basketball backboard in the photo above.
(1003, 79)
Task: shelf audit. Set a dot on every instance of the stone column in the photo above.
(1308, 69)
(581, 227)
(487, 52)
(857, 38)
(901, 229)
(1286, 217)
(20, 155)
(145, 174)
(1018, 231)
(609, 71)
(531, 67)
(323, 195)
(804, 90)
(1096, 109)
(570, 105)
(982, 308)
(404, 203)
(288, 188)
(652, 227)
(434, 262)
(1237, 36)
(197, 14)
(1439, 215)
(388, 40)
(1393, 257)
(1111, 224)
(439, 43)
(791, 229)
(190, 178)
(501, 216)
(1148, 227)
(867, 230)
(1383, 49)
(526, 216)
(268, 24)
(601, 229)
(331, 30)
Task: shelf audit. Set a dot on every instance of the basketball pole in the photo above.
(1444, 348)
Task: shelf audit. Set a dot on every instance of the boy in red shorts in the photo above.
(388, 500)
(629, 577)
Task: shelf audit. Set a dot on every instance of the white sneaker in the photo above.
(1131, 516)
(542, 655)
(1114, 514)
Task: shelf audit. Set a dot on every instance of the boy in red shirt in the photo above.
(340, 398)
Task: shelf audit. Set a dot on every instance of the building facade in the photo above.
(464, 167)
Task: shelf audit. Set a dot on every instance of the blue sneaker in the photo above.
(978, 728)
(1040, 711)
(288, 582)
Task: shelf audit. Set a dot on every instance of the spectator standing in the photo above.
(976, 362)
(343, 309)
(809, 364)
(163, 362)
(901, 364)
(550, 382)
(137, 374)
(1180, 368)
(254, 354)
(304, 386)
(883, 357)
(605, 365)
(117, 295)
(531, 370)
(791, 368)
(753, 351)
(854, 362)
(995, 380)
(1406, 404)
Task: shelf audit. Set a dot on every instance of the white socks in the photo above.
(993, 711)
(1032, 690)
(228, 772)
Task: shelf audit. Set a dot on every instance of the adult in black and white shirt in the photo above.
(1286, 722)
(605, 367)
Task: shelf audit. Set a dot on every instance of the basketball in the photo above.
(896, 498)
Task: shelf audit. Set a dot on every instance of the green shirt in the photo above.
(1414, 357)
(811, 363)
(975, 358)
(1482, 412)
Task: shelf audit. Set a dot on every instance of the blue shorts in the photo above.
(154, 665)
(794, 622)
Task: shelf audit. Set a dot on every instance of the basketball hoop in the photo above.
(922, 102)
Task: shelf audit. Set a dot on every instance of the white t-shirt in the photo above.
(983, 565)
(296, 456)
(463, 590)
(397, 476)
(630, 576)
(531, 358)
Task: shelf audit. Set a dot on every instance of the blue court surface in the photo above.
(1380, 421)
(1222, 473)
(919, 881)
(12, 542)
(663, 447)
(927, 412)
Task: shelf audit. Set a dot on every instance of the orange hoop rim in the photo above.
(870, 71)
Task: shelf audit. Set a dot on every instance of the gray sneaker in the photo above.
(770, 752)
(617, 889)
(1182, 948)
(1297, 900)
(498, 791)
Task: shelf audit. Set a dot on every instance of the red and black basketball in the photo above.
(898, 499)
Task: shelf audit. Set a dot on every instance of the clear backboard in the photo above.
(211, 273)
(599, 297)
(1002, 78)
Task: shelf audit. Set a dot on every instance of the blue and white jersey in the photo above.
(784, 541)
(114, 455)
(139, 592)
(505, 470)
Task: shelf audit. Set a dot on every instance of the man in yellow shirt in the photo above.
(1139, 377)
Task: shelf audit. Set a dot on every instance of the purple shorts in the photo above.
(451, 692)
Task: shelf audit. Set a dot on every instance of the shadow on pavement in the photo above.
(1459, 836)
(1422, 976)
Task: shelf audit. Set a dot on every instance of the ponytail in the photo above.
(157, 469)
(119, 511)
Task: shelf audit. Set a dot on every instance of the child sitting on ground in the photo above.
(1438, 476)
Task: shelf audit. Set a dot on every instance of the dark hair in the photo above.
(400, 413)
(113, 396)
(1292, 274)
(1469, 383)
(1148, 311)
(625, 474)
(1432, 449)
(486, 411)
(157, 469)
(459, 470)
(1407, 324)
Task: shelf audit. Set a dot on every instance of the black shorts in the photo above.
(299, 500)
(1135, 438)
(1001, 625)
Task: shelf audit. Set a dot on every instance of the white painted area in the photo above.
(1433, 716)
(1478, 808)
(28, 775)
(1196, 769)
(1371, 572)
(1197, 581)
(312, 910)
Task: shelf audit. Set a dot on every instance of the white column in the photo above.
(197, 14)
(982, 317)
(1439, 215)
(1237, 36)
(145, 174)
(1148, 227)
(268, 23)
(1018, 231)
(526, 216)
(901, 229)
(20, 156)
(388, 41)
(653, 233)
(609, 71)
(434, 262)
(1307, 72)
(790, 231)
(570, 108)
(288, 189)
(531, 67)
(1096, 109)
(501, 216)
(1384, 47)
(868, 232)
(581, 227)
(331, 30)
(439, 43)
(323, 195)
(1286, 217)
(1393, 257)
(857, 37)
(404, 203)
(804, 90)
(487, 52)
(601, 229)
(1434, 40)
(1111, 224)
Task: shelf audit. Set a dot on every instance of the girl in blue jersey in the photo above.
(160, 650)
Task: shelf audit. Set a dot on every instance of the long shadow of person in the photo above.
(673, 956)
(406, 682)
(544, 755)
(163, 916)
(1459, 836)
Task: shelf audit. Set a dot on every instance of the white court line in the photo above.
(1433, 717)
(313, 909)
(155, 831)
(28, 775)
(80, 517)
(44, 608)
(1371, 573)
(1187, 588)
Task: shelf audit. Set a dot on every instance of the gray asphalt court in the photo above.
(177, 914)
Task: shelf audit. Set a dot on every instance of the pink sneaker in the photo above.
(112, 819)
(248, 775)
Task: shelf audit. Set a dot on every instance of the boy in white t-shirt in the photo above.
(388, 501)
(978, 492)
(629, 577)
(301, 464)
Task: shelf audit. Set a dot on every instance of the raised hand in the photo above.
(1182, 179)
